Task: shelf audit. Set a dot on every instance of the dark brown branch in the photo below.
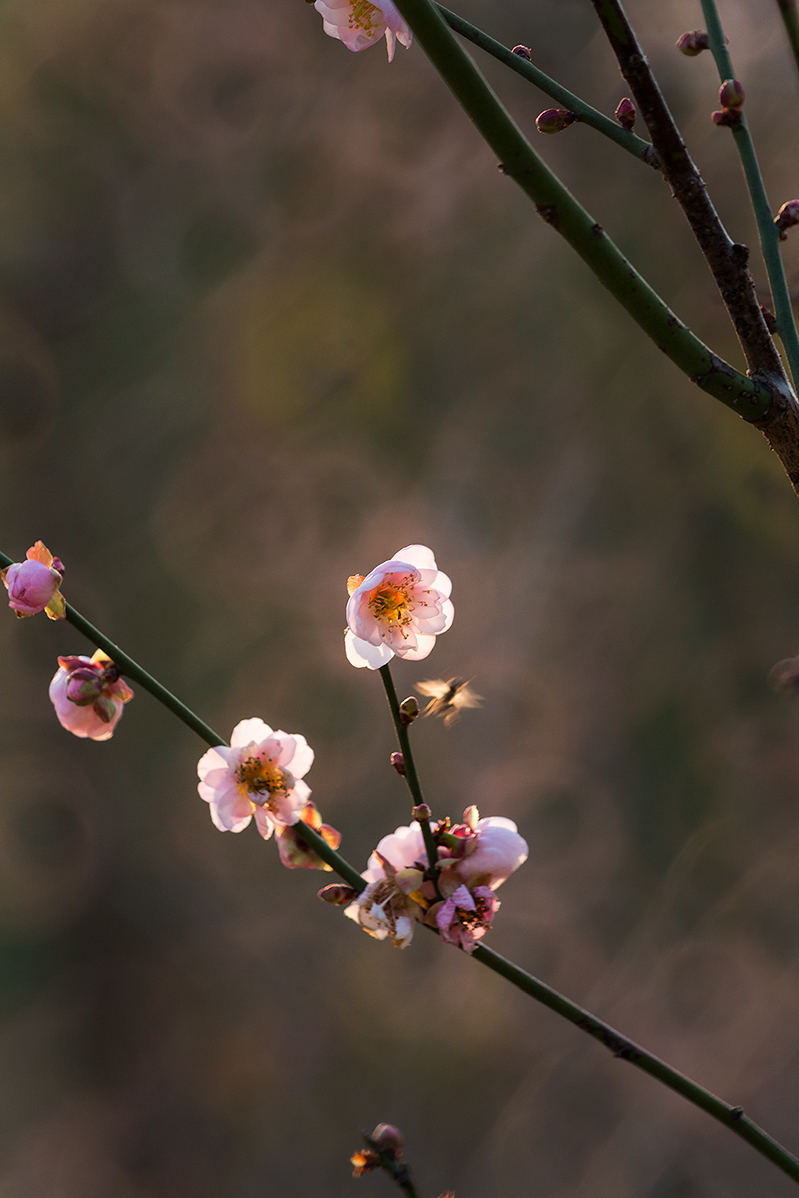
(726, 259)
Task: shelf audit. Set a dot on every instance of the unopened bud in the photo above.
(625, 113)
(422, 812)
(728, 117)
(787, 217)
(338, 894)
(84, 685)
(693, 43)
(387, 1138)
(408, 711)
(731, 94)
(523, 52)
(553, 120)
(398, 762)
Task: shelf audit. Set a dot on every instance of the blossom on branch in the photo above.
(294, 852)
(259, 775)
(400, 608)
(465, 917)
(360, 24)
(483, 852)
(89, 696)
(33, 585)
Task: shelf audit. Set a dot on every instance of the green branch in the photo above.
(558, 208)
(550, 87)
(732, 1117)
(409, 765)
(767, 231)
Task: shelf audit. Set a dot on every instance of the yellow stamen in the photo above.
(391, 604)
(258, 778)
(362, 15)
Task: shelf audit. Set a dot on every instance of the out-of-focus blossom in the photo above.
(33, 585)
(483, 852)
(448, 699)
(294, 852)
(89, 696)
(465, 917)
(360, 24)
(259, 775)
(401, 607)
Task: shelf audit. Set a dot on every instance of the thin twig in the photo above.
(790, 19)
(409, 765)
(584, 112)
(767, 231)
(726, 259)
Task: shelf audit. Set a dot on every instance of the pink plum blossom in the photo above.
(359, 23)
(465, 917)
(259, 775)
(491, 851)
(390, 905)
(33, 585)
(89, 696)
(400, 608)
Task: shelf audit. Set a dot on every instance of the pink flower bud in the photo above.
(493, 853)
(387, 1138)
(33, 585)
(337, 894)
(85, 715)
(398, 762)
(523, 52)
(422, 812)
(728, 117)
(626, 113)
(731, 94)
(693, 43)
(553, 120)
(787, 217)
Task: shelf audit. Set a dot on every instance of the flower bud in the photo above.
(787, 217)
(626, 113)
(387, 1138)
(398, 762)
(84, 685)
(731, 94)
(408, 711)
(422, 812)
(553, 120)
(693, 43)
(727, 117)
(523, 52)
(338, 895)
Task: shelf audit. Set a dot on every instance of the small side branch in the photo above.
(726, 259)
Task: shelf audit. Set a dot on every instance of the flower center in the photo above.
(362, 15)
(390, 603)
(259, 776)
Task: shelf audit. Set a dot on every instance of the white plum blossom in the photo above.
(394, 873)
(400, 608)
(360, 24)
(260, 775)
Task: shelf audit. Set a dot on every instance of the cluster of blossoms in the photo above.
(89, 696)
(456, 897)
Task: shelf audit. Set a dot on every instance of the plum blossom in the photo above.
(33, 585)
(359, 23)
(486, 852)
(294, 852)
(89, 696)
(399, 608)
(465, 917)
(259, 775)
(392, 902)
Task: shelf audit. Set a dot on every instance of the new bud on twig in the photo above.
(787, 217)
(553, 120)
(422, 812)
(728, 117)
(338, 894)
(625, 113)
(398, 762)
(731, 94)
(387, 1138)
(408, 711)
(693, 43)
(523, 52)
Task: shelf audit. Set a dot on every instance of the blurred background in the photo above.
(268, 311)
